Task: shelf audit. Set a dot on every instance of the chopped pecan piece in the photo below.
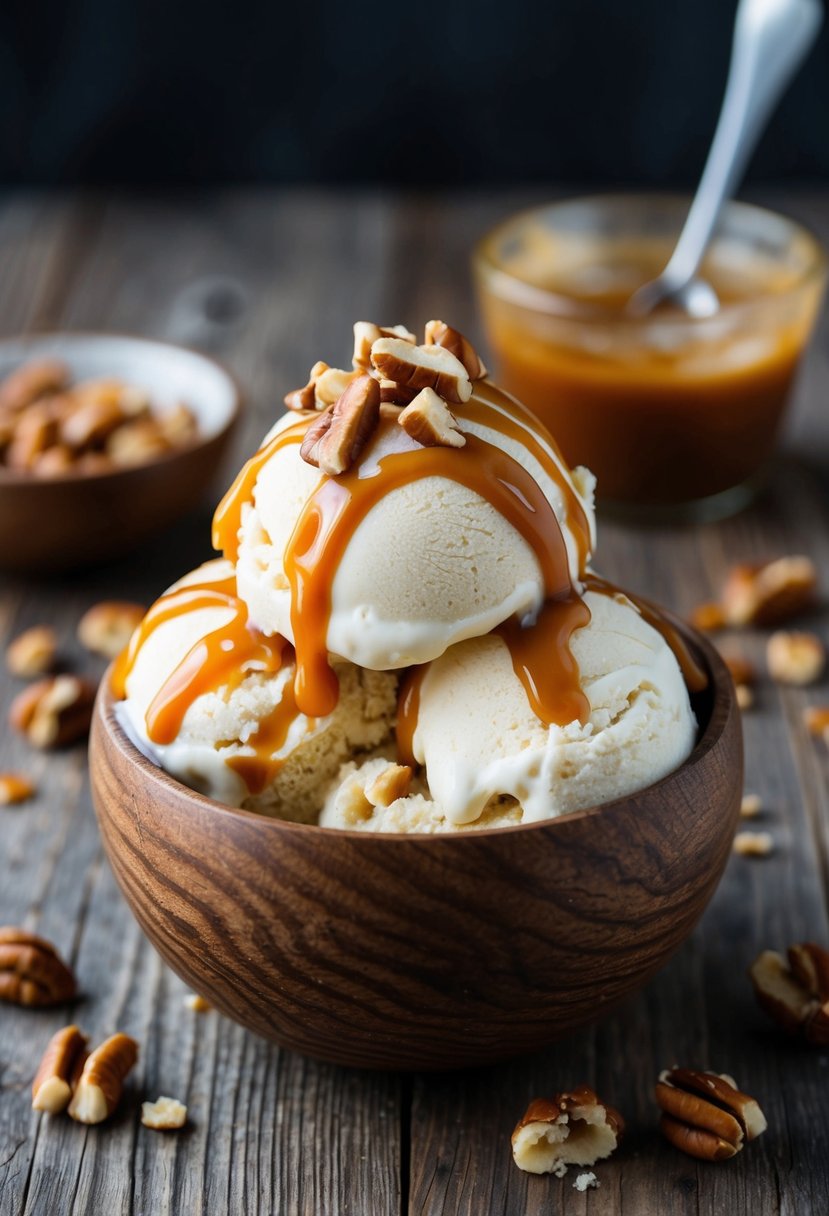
(771, 593)
(14, 788)
(164, 1115)
(438, 333)
(795, 658)
(106, 628)
(366, 334)
(754, 844)
(816, 720)
(705, 1114)
(31, 973)
(33, 652)
(54, 712)
(335, 439)
(389, 785)
(62, 1060)
(429, 421)
(98, 1090)
(574, 1128)
(751, 806)
(422, 367)
(795, 992)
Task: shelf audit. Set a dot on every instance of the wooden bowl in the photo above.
(59, 523)
(421, 952)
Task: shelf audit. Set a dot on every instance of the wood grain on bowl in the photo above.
(423, 952)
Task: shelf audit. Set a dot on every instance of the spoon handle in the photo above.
(771, 38)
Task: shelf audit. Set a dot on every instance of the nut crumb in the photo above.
(15, 788)
(584, 1182)
(751, 806)
(167, 1114)
(754, 844)
(197, 1003)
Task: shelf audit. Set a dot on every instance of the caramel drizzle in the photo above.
(338, 505)
(221, 659)
(259, 770)
(543, 661)
(695, 676)
(408, 709)
(491, 407)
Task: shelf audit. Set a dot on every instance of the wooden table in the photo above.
(271, 1132)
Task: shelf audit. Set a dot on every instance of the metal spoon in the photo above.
(771, 39)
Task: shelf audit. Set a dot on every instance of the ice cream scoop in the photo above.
(415, 547)
(211, 700)
(486, 751)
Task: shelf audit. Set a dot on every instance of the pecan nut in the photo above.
(33, 652)
(438, 333)
(795, 991)
(99, 1086)
(392, 783)
(770, 593)
(366, 333)
(795, 658)
(31, 971)
(422, 367)
(429, 421)
(705, 1115)
(574, 1128)
(54, 712)
(334, 440)
(62, 1060)
(106, 628)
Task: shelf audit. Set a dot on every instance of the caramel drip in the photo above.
(339, 505)
(259, 770)
(408, 708)
(694, 675)
(491, 407)
(543, 662)
(228, 515)
(220, 659)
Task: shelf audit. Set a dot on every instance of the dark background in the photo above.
(579, 91)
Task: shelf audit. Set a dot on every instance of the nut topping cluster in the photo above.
(420, 381)
(705, 1115)
(49, 427)
(794, 991)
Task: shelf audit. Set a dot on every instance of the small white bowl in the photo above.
(58, 523)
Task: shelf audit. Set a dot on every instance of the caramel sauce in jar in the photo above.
(665, 409)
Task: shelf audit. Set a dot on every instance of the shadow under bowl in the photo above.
(421, 952)
(49, 525)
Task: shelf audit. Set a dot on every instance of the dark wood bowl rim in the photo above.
(12, 478)
(722, 707)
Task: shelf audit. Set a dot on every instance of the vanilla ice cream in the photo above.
(405, 634)
(223, 745)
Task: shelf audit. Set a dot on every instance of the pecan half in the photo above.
(438, 333)
(705, 1114)
(574, 1128)
(429, 420)
(770, 593)
(795, 658)
(31, 972)
(795, 991)
(54, 712)
(62, 1060)
(422, 367)
(33, 652)
(98, 1090)
(334, 440)
(106, 628)
(366, 334)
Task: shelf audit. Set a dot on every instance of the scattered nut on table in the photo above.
(574, 1128)
(795, 658)
(816, 720)
(61, 1063)
(98, 1088)
(15, 788)
(708, 617)
(771, 592)
(31, 971)
(33, 652)
(744, 696)
(754, 844)
(751, 806)
(163, 1115)
(705, 1115)
(55, 711)
(106, 628)
(197, 1003)
(742, 670)
(794, 991)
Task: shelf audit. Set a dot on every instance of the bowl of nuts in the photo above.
(104, 441)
